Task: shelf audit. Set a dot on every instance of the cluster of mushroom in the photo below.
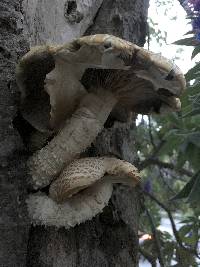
(67, 94)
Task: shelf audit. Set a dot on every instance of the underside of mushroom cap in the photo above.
(50, 89)
(53, 79)
(30, 75)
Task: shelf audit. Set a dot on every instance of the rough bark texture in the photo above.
(126, 19)
(110, 239)
(58, 21)
(13, 217)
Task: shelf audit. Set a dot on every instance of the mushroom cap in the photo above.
(85, 172)
(53, 79)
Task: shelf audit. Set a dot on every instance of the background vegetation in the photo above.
(170, 160)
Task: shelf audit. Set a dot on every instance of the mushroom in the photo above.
(65, 207)
(84, 172)
(79, 208)
(100, 73)
(77, 86)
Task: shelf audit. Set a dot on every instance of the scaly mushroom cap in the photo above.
(83, 173)
(53, 79)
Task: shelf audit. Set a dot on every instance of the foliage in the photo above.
(170, 160)
(189, 151)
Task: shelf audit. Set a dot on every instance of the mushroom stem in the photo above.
(77, 134)
(85, 172)
(78, 209)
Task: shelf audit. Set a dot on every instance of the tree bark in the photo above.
(14, 223)
(110, 239)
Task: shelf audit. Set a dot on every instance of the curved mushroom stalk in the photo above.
(84, 172)
(76, 207)
(80, 208)
(77, 134)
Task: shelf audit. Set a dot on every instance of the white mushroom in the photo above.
(84, 172)
(80, 208)
(68, 91)
(114, 71)
(87, 175)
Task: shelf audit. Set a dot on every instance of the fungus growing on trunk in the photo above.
(68, 92)
(84, 172)
(76, 205)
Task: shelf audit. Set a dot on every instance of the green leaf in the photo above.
(184, 230)
(190, 91)
(193, 154)
(196, 51)
(194, 138)
(189, 32)
(190, 219)
(194, 196)
(181, 160)
(194, 112)
(191, 41)
(172, 142)
(190, 240)
(185, 258)
(193, 89)
(193, 72)
(184, 193)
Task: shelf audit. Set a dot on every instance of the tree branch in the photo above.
(148, 256)
(156, 237)
(166, 165)
(150, 132)
(145, 163)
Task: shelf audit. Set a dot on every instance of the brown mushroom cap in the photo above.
(53, 79)
(83, 173)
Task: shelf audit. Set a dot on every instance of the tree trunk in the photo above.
(110, 239)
